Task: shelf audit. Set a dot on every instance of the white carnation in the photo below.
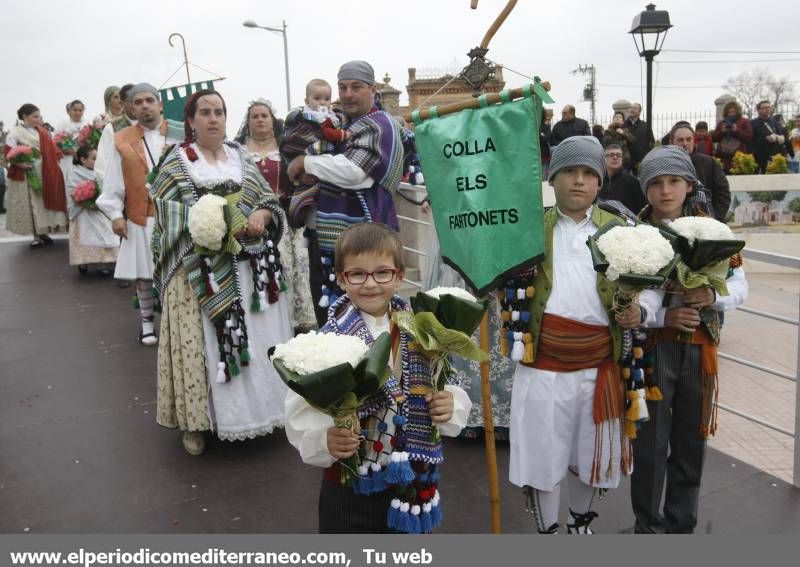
(702, 228)
(313, 351)
(207, 222)
(437, 292)
(634, 250)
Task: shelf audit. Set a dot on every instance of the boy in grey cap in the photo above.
(671, 445)
(559, 425)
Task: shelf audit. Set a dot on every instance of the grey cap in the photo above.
(357, 71)
(666, 160)
(142, 88)
(578, 150)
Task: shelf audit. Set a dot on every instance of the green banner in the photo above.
(483, 175)
(174, 98)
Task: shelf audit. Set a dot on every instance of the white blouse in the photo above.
(204, 174)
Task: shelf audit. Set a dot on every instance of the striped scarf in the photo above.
(214, 279)
(412, 474)
(407, 390)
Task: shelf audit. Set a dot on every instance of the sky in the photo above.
(72, 50)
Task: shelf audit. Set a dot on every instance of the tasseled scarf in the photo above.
(412, 473)
(215, 279)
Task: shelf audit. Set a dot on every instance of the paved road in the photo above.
(80, 451)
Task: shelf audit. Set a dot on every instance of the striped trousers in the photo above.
(670, 447)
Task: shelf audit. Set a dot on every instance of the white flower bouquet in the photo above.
(706, 247)
(633, 257)
(334, 374)
(213, 222)
(207, 222)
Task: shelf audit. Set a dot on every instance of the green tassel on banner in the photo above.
(284, 286)
(136, 302)
(255, 306)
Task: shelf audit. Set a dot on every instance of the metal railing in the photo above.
(787, 262)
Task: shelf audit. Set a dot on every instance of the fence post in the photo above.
(796, 470)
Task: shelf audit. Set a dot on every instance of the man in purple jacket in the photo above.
(356, 183)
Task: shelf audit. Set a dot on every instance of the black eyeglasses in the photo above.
(359, 277)
(614, 155)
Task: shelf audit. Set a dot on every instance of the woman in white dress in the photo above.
(37, 202)
(221, 310)
(71, 126)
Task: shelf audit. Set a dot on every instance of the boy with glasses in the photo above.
(397, 424)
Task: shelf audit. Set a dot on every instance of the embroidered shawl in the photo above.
(173, 193)
(407, 390)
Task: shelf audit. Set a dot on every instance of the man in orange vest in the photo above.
(126, 201)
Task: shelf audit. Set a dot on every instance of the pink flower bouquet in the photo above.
(85, 194)
(89, 135)
(65, 142)
(26, 154)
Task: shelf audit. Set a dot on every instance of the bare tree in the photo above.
(782, 91)
(750, 87)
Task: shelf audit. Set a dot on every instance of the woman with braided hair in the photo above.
(222, 305)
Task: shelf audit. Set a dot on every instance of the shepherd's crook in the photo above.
(481, 71)
(185, 57)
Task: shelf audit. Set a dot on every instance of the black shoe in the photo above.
(580, 522)
(83, 269)
(36, 244)
(46, 239)
(105, 272)
(123, 283)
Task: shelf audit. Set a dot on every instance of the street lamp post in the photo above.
(649, 29)
(282, 31)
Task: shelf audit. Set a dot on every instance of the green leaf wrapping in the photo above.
(701, 253)
(433, 337)
(453, 312)
(373, 370)
(323, 389)
(339, 390)
(714, 276)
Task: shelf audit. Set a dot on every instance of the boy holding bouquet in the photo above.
(395, 487)
(672, 443)
(567, 402)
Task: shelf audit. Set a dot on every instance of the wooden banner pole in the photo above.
(492, 98)
(488, 426)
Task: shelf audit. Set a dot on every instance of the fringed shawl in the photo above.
(214, 279)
